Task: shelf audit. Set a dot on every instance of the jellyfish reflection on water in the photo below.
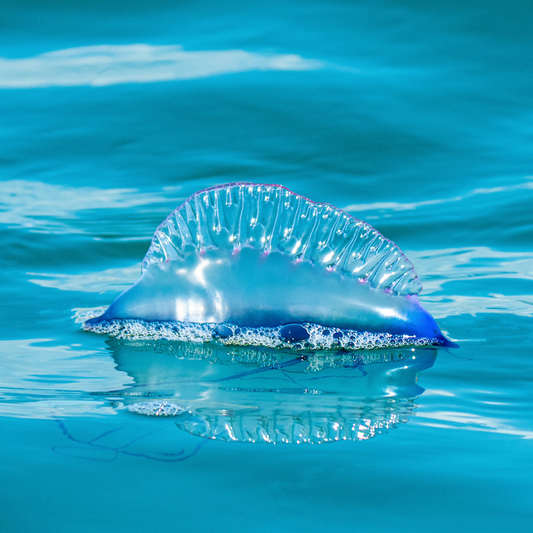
(256, 395)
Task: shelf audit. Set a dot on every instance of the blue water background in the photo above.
(414, 116)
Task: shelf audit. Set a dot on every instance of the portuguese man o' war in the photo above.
(254, 264)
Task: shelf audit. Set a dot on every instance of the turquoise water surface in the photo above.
(416, 117)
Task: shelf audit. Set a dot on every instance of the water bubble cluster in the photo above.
(318, 337)
(156, 409)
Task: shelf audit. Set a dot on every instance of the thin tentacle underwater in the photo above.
(246, 263)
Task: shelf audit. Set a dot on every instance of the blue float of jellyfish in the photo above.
(259, 264)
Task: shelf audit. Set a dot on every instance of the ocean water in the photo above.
(413, 116)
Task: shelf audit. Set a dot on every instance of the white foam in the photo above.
(320, 337)
(156, 409)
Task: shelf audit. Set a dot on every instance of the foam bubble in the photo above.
(156, 409)
(318, 337)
